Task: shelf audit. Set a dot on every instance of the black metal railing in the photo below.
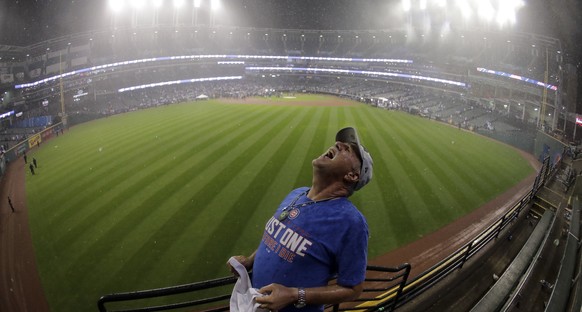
(216, 301)
(390, 287)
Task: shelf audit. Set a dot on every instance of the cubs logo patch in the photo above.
(294, 213)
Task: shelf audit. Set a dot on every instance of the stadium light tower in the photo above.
(441, 3)
(136, 6)
(177, 6)
(196, 5)
(486, 11)
(214, 6)
(466, 11)
(406, 5)
(506, 12)
(157, 5)
(115, 6)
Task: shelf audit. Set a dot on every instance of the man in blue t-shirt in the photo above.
(316, 235)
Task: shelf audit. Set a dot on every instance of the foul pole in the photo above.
(63, 114)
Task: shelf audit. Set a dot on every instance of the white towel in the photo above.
(243, 295)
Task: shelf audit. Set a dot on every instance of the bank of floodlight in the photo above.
(137, 4)
(178, 3)
(506, 12)
(158, 3)
(406, 5)
(116, 5)
(214, 5)
(486, 11)
(465, 8)
(197, 3)
(440, 3)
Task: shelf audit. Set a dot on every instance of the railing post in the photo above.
(521, 204)
(407, 268)
(500, 226)
(466, 255)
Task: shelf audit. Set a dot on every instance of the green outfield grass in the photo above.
(165, 196)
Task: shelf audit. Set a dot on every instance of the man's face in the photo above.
(339, 160)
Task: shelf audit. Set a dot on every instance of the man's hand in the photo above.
(247, 262)
(277, 296)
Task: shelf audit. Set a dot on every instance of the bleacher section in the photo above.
(497, 295)
(562, 287)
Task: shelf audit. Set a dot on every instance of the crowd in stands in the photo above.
(450, 107)
(12, 136)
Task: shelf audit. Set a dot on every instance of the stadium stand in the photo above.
(495, 297)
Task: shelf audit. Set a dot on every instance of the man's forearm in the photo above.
(332, 294)
(278, 296)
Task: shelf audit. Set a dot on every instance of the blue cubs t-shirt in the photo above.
(312, 245)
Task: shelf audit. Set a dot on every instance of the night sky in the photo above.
(23, 22)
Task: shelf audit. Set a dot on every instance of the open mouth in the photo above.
(329, 154)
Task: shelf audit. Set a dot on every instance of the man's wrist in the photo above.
(301, 298)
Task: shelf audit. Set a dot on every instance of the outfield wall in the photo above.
(34, 140)
(546, 145)
(523, 140)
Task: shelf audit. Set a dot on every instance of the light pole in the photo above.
(214, 6)
(116, 7)
(157, 6)
(177, 5)
(196, 5)
(136, 7)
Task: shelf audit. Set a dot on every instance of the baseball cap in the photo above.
(349, 135)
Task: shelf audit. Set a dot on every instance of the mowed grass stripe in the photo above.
(428, 200)
(452, 139)
(130, 155)
(476, 183)
(141, 222)
(169, 225)
(442, 167)
(400, 196)
(130, 161)
(463, 143)
(144, 124)
(437, 189)
(124, 186)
